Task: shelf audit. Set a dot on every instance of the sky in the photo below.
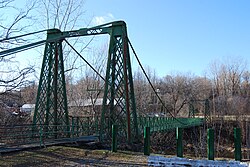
(172, 36)
(180, 35)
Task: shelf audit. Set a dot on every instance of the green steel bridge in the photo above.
(51, 121)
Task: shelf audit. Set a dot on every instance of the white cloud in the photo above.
(97, 20)
(110, 15)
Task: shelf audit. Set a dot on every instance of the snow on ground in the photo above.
(156, 161)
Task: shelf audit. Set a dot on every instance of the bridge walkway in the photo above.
(13, 148)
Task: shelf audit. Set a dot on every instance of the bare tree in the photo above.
(178, 92)
(28, 93)
(90, 86)
(230, 80)
(246, 84)
(146, 99)
(11, 76)
(227, 76)
(65, 15)
(61, 14)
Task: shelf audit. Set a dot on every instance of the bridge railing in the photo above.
(84, 126)
(157, 124)
(15, 135)
(27, 134)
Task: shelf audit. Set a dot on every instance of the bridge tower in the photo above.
(51, 111)
(118, 101)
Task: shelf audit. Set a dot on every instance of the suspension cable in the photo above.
(150, 83)
(27, 47)
(23, 35)
(21, 48)
(85, 60)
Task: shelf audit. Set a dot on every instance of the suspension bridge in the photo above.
(51, 121)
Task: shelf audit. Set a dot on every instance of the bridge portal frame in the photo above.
(119, 100)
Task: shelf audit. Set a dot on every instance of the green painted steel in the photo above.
(119, 107)
(158, 124)
(13, 136)
(114, 138)
(179, 138)
(119, 100)
(237, 144)
(79, 126)
(191, 110)
(210, 144)
(207, 111)
(146, 140)
(51, 103)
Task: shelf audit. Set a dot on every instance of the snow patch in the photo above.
(178, 162)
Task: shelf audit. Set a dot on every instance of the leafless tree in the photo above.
(89, 86)
(14, 21)
(146, 99)
(28, 93)
(65, 15)
(11, 76)
(230, 80)
(178, 92)
(246, 84)
(227, 76)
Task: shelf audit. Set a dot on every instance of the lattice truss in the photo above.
(51, 106)
(119, 101)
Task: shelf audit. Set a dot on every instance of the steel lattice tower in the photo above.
(119, 101)
(51, 111)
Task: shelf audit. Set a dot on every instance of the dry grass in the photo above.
(70, 156)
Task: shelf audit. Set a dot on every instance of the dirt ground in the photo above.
(75, 156)
(71, 156)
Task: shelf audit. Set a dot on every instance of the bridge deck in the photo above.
(85, 139)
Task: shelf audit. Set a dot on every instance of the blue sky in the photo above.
(180, 35)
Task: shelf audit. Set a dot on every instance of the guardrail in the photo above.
(167, 123)
(27, 134)
(15, 135)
